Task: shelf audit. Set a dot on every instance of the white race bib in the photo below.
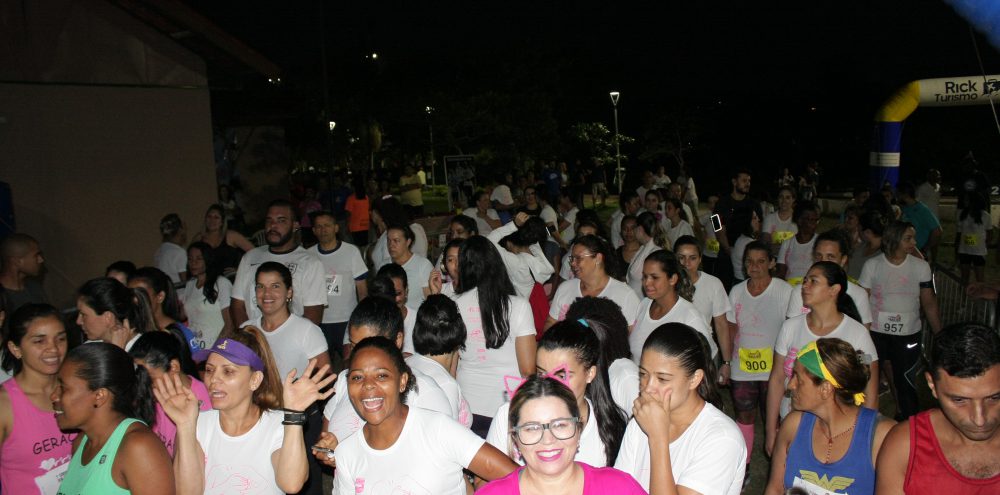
(333, 285)
(815, 489)
(892, 323)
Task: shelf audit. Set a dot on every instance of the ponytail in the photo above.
(835, 275)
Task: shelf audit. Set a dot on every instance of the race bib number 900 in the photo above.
(756, 361)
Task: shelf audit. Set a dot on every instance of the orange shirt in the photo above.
(358, 209)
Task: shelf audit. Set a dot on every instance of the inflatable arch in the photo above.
(947, 91)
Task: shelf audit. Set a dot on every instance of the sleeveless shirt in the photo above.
(95, 476)
(35, 455)
(928, 470)
(853, 473)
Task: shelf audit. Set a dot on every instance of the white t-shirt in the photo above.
(481, 370)
(243, 461)
(566, 271)
(624, 378)
(673, 233)
(709, 457)
(634, 274)
(758, 321)
(409, 321)
(711, 249)
(972, 235)
(930, 195)
(710, 297)
(569, 291)
(739, 248)
(523, 269)
(342, 267)
(482, 225)
(776, 230)
(895, 293)
(591, 449)
(795, 334)
(569, 233)
(615, 225)
(682, 312)
(426, 459)
(419, 245)
(344, 420)
(380, 252)
(418, 273)
(172, 260)
(293, 343)
(548, 215)
(205, 318)
(796, 256)
(433, 370)
(501, 194)
(854, 291)
(308, 280)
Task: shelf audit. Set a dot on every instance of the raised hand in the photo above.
(434, 282)
(299, 394)
(178, 401)
(520, 218)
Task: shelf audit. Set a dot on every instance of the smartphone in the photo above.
(716, 222)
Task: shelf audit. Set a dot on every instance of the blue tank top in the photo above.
(852, 474)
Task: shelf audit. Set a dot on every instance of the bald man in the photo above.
(20, 262)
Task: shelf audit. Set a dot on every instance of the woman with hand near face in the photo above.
(33, 349)
(545, 429)
(403, 449)
(679, 441)
(110, 312)
(245, 436)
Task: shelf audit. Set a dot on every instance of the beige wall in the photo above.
(93, 169)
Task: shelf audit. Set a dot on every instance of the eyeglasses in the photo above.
(577, 259)
(531, 433)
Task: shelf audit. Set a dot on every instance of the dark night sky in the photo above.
(773, 58)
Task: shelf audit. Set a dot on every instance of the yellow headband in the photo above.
(812, 361)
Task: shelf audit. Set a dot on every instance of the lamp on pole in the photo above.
(430, 129)
(618, 153)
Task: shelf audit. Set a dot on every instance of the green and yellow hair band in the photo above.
(812, 361)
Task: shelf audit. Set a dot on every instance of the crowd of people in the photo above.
(542, 351)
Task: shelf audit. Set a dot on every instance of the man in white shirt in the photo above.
(345, 274)
(171, 257)
(929, 193)
(503, 201)
(308, 280)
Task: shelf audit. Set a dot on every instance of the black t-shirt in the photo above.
(727, 208)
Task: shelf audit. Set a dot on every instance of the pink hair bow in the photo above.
(513, 383)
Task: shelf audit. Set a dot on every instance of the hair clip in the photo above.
(583, 322)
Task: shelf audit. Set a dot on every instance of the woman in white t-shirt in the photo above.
(795, 253)
(900, 287)
(710, 298)
(779, 226)
(501, 330)
(438, 337)
(418, 269)
(831, 314)
(442, 279)
(679, 436)
(668, 293)
(571, 353)
(972, 235)
(293, 339)
(206, 296)
(403, 449)
(677, 224)
(594, 265)
(647, 231)
(604, 318)
(245, 436)
(391, 283)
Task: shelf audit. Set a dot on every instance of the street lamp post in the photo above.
(618, 153)
(430, 130)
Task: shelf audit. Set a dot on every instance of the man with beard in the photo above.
(954, 448)
(308, 278)
(736, 204)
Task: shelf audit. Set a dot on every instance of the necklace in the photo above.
(829, 439)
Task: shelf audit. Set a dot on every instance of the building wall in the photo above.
(93, 169)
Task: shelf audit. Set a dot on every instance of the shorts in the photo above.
(748, 395)
(598, 188)
(971, 259)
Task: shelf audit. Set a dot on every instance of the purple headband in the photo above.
(234, 351)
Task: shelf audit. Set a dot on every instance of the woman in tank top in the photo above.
(33, 349)
(99, 394)
(829, 443)
(227, 245)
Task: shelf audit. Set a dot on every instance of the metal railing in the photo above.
(953, 303)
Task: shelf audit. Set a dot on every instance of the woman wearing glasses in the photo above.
(545, 429)
(596, 268)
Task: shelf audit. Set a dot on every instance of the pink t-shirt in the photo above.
(165, 429)
(596, 481)
(35, 454)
